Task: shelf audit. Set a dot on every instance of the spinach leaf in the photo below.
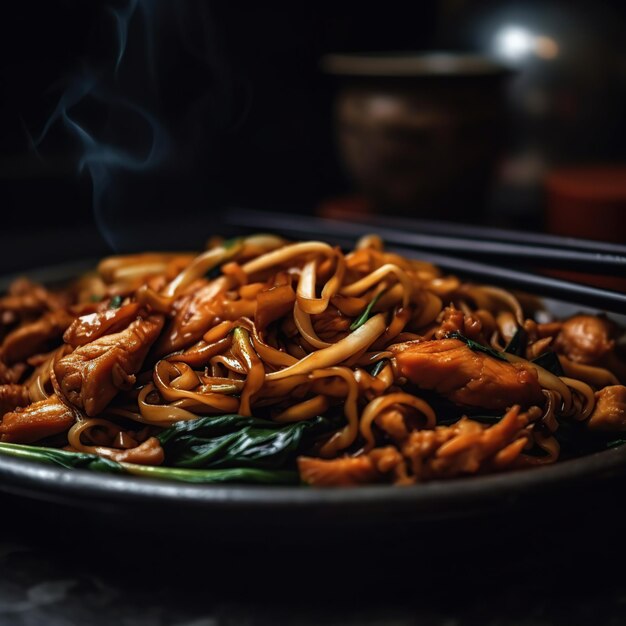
(227, 244)
(229, 441)
(518, 343)
(550, 361)
(116, 302)
(615, 443)
(92, 462)
(367, 312)
(377, 368)
(576, 439)
(63, 458)
(477, 347)
(203, 476)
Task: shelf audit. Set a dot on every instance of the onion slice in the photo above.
(359, 340)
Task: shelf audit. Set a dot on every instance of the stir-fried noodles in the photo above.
(268, 356)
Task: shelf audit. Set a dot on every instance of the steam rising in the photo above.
(122, 17)
(137, 123)
(102, 159)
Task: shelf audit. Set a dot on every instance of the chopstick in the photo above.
(487, 233)
(401, 232)
(344, 234)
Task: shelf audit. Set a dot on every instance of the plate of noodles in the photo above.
(267, 372)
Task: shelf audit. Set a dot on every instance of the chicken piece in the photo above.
(149, 452)
(28, 299)
(196, 312)
(393, 422)
(609, 413)
(24, 286)
(272, 304)
(381, 464)
(392, 465)
(342, 472)
(6, 375)
(35, 337)
(36, 421)
(453, 320)
(11, 374)
(12, 396)
(91, 376)
(467, 378)
(468, 447)
(90, 327)
(586, 339)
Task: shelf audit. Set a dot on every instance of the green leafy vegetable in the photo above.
(54, 456)
(216, 449)
(235, 441)
(477, 347)
(81, 460)
(615, 443)
(550, 361)
(227, 244)
(367, 312)
(576, 439)
(377, 368)
(116, 302)
(230, 475)
(518, 343)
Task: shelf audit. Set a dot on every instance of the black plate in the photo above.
(230, 508)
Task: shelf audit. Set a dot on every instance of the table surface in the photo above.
(539, 567)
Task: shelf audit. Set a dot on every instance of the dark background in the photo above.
(243, 117)
(222, 104)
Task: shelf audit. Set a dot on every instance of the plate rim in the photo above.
(27, 478)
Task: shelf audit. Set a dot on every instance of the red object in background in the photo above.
(590, 203)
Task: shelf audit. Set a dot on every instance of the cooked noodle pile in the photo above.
(418, 375)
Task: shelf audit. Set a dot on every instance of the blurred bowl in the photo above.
(419, 133)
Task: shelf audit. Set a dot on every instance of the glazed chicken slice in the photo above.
(12, 396)
(36, 421)
(586, 338)
(473, 379)
(609, 413)
(11, 374)
(35, 337)
(91, 376)
(461, 449)
(88, 328)
(378, 465)
(592, 340)
(27, 298)
(195, 313)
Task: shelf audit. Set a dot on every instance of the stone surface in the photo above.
(57, 570)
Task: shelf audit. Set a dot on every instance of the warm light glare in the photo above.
(546, 47)
(516, 43)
